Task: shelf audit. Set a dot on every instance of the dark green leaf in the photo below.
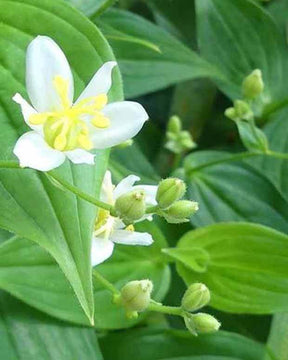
(27, 334)
(178, 345)
(232, 192)
(247, 270)
(238, 36)
(143, 68)
(88, 7)
(30, 205)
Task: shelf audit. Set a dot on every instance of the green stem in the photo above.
(176, 162)
(107, 284)
(169, 310)
(237, 157)
(81, 194)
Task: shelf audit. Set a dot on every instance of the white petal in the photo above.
(101, 250)
(126, 237)
(33, 152)
(45, 60)
(150, 191)
(100, 82)
(27, 111)
(80, 156)
(126, 120)
(107, 187)
(125, 185)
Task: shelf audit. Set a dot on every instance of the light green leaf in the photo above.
(145, 70)
(238, 37)
(30, 206)
(277, 343)
(159, 344)
(26, 334)
(28, 272)
(232, 192)
(248, 267)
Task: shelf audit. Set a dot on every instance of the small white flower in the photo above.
(60, 128)
(109, 229)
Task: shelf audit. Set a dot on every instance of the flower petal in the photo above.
(33, 152)
(101, 249)
(107, 187)
(125, 185)
(100, 82)
(80, 156)
(127, 237)
(150, 191)
(126, 120)
(27, 111)
(45, 60)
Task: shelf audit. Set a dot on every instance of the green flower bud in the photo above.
(136, 295)
(131, 206)
(231, 113)
(186, 140)
(183, 209)
(201, 323)
(169, 191)
(174, 124)
(243, 110)
(195, 297)
(253, 85)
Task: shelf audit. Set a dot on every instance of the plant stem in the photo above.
(107, 284)
(169, 310)
(177, 161)
(81, 194)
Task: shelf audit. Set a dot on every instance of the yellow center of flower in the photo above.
(68, 128)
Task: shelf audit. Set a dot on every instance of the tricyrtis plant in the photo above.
(182, 227)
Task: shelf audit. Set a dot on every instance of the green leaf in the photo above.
(252, 137)
(248, 267)
(28, 272)
(277, 344)
(144, 69)
(30, 206)
(159, 344)
(26, 334)
(238, 37)
(232, 191)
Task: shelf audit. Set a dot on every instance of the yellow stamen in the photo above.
(68, 129)
(38, 119)
(130, 228)
(62, 88)
(100, 121)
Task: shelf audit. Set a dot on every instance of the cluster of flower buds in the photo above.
(135, 297)
(242, 113)
(132, 206)
(174, 210)
(196, 297)
(178, 140)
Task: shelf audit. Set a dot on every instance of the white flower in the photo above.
(60, 128)
(109, 229)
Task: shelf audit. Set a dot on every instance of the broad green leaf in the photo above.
(232, 192)
(247, 270)
(277, 343)
(144, 69)
(26, 334)
(163, 344)
(28, 272)
(238, 36)
(88, 7)
(30, 206)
